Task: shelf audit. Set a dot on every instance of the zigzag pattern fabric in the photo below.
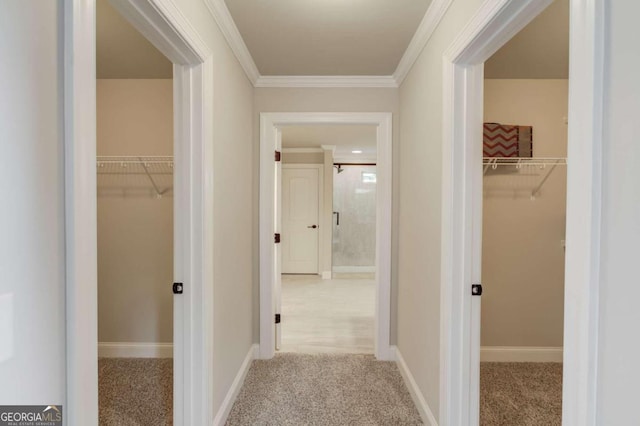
(506, 140)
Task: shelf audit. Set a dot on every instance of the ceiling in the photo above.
(540, 50)
(327, 37)
(122, 52)
(334, 37)
(346, 138)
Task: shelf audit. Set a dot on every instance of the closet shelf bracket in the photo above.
(536, 190)
(156, 170)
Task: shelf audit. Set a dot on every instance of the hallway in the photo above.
(323, 389)
(334, 315)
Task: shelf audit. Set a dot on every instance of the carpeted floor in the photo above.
(135, 391)
(323, 389)
(520, 394)
(327, 389)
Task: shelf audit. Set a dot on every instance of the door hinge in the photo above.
(178, 288)
(276, 238)
(277, 318)
(278, 155)
(476, 290)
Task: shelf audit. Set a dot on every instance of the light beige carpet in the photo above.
(135, 391)
(520, 394)
(323, 389)
(298, 389)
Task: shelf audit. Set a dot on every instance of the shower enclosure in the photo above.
(354, 218)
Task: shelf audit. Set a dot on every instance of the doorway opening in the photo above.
(328, 240)
(191, 64)
(272, 127)
(526, 92)
(494, 25)
(135, 205)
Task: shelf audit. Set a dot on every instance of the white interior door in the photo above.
(277, 226)
(300, 221)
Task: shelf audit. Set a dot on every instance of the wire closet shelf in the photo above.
(135, 174)
(546, 165)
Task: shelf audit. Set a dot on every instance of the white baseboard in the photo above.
(421, 404)
(520, 354)
(327, 275)
(353, 269)
(230, 398)
(135, 350)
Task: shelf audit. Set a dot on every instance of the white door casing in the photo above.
(494, 24)
(169, 31)
(269, 123)
(300, 220)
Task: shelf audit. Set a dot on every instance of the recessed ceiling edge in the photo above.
(428, 25)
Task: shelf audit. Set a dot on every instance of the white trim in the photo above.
(320, 169)
(320, 81)
(494, 24)
(167, 29)
(355, 158)
(302, 150)
(135, 350)
(80, 213)
(234, 390)
(354, 269)
(269, 123)
(327, 275)
(584, 197)
(520, 354)
(222, 16)
(436, 11)
(418, 398)
(434, 14)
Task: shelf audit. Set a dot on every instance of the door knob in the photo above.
(312, 226)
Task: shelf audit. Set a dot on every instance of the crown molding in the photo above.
(319, 81)
(354, 159)
(223, 18)
(302, 150)
(331, 148)
(430, 22)
(428, 25)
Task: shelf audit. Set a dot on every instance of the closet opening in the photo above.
(526, 91)
(135, 219)
(328, 239)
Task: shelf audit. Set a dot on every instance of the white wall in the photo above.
(618, 368)
(135, 231)
(302, 158)
(326, 100)
(522, 254)
(420, 206)
(32, 260)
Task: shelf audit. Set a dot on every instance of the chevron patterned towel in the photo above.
(505, 140)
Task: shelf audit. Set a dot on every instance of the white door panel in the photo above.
(300, 230)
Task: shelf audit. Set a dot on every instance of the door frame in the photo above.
(269, 131)
(169, 31)
(494, 24)
(320, 168)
